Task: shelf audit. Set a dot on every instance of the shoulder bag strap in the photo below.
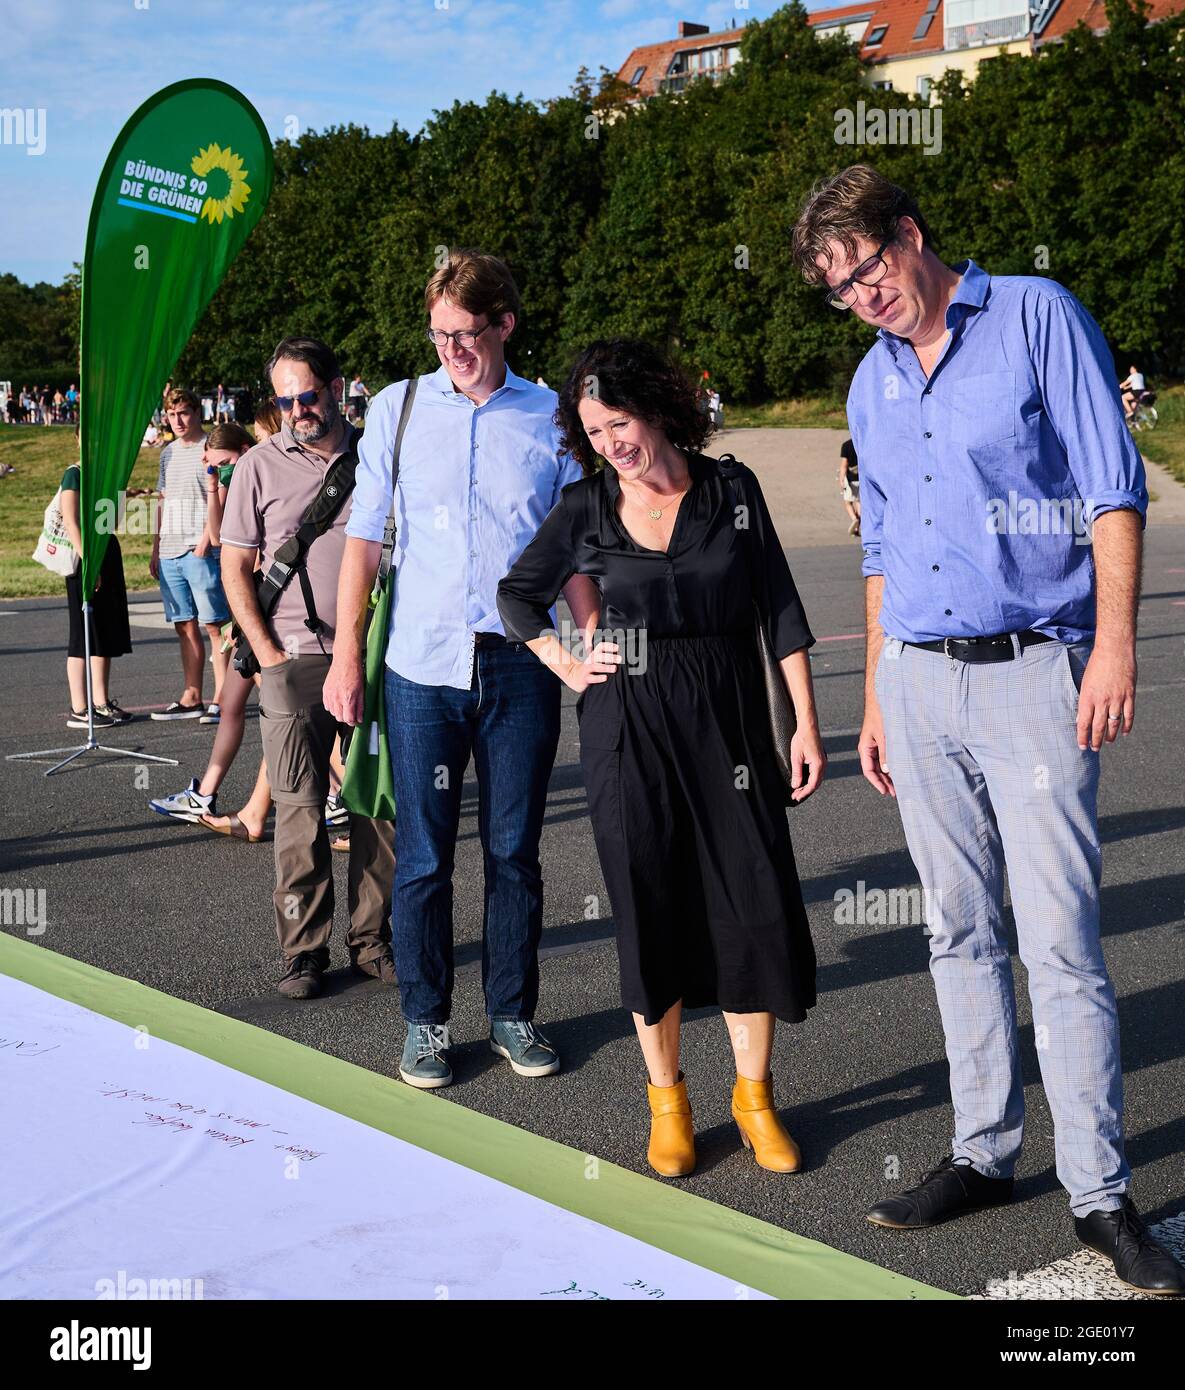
(389, 532)
(730, 471)
(319, 516)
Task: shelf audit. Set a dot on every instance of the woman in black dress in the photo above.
(111, 633)
(687, 804)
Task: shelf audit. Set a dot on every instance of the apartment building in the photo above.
(906, 44)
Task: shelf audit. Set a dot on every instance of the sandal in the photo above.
(235, 828)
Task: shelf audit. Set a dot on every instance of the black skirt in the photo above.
(689, 816)
(111, 634)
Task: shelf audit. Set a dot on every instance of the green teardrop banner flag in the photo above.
(182, 189)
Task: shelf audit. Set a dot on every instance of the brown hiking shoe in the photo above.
(303, 978)
(380, 968)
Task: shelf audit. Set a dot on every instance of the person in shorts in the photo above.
(1130, 390)
(849, 485)
(185, 562)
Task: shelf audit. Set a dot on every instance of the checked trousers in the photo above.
(989, 778)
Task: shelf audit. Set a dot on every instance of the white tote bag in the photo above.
(54, 550)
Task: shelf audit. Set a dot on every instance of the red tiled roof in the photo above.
(1093, 13)
(656, 57)
(901, 18)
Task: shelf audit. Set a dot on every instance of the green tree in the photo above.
(670, 219)
(309, 266)
(505, 177)
(39, 332)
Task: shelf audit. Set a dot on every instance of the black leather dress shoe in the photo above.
(1124, 1239)
(949, 1190)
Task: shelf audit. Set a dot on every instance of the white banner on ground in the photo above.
(135, 1168)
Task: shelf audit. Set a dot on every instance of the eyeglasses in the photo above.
(463, 337)
(869, 272)
(285, 403)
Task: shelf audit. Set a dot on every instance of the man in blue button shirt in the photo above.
(1003, 506)
(479, 469)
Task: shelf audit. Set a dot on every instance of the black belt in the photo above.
(998, 648)
(482, 639)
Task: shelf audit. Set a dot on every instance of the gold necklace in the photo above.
(655, 513)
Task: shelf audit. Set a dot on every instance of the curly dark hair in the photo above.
(641, 380)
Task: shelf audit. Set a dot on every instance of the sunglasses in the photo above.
(285, 403)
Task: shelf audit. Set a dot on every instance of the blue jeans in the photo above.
(191, 586)
(509, 720)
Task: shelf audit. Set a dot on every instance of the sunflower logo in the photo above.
(213, 158)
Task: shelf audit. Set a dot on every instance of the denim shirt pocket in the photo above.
(983, 414)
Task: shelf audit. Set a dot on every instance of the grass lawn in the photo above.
(810, 413)
(1166, 443)
(40, 456)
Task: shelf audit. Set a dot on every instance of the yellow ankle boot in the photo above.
(672, 1139)
(761, 1130)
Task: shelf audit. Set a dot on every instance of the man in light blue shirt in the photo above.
(479, 469)
(475, 482)
(1003, 506)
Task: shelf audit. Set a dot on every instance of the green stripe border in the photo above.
(739, 1247)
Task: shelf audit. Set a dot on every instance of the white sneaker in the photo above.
(213, 715)
(189, 805)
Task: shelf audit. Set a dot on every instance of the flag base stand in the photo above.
(90, 746)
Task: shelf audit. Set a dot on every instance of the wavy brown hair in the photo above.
(267, 416)
(476, 281)
(180, 395)
(856, 202)
(640, 380)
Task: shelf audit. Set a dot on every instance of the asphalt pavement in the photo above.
(863, 1082)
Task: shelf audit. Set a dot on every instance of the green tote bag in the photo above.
(368, 788)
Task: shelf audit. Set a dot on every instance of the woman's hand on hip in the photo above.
(595, 669)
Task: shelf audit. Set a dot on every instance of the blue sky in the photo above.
(89, 63)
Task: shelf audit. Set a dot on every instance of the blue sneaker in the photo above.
(424, 1063)
(524, 1047)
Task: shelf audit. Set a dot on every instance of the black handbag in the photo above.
(783, 722)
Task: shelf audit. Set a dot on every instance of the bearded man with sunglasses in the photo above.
(1000, 657)
(273, 487)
